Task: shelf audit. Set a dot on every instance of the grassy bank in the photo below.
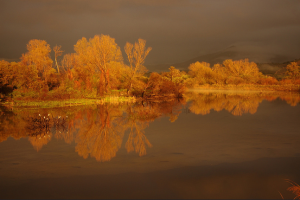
(69, 102)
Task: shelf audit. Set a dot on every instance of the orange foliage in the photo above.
(286, 82)
(97, 53)
(136, 55)
(230, 72)
(268, 81)
(38, 55)
(293, 71)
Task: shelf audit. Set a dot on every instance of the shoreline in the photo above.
(243, 89)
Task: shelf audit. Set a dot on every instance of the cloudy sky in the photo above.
(177, 30)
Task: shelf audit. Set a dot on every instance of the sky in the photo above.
(177, 30)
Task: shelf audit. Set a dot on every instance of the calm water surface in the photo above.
(209, 145)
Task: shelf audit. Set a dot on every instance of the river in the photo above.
(211, 145)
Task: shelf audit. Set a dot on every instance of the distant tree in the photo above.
(293, 71)
(172, 74)
(202, 73)
(242, 69)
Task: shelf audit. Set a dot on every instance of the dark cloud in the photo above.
(177, 30)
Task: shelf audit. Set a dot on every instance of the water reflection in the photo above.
(99, 131)
(101, 134)
(237, 103)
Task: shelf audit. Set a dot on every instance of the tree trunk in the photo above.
(56, 65)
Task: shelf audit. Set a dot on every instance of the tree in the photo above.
(293, 71)
(202, 73)
(136, 56)
(9, 76)
(57, 52)
(242, 69)
(172, 74)
(38, 55)
(98, 52)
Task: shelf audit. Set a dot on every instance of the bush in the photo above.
(286, 82)
(297, 82)
(267, 81)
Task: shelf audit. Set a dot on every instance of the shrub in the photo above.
(286, 82)
(297, 82)
(267, 81)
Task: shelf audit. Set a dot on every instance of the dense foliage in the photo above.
(97, 69)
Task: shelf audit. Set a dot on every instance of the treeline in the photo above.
(97, 69)
(238, 72)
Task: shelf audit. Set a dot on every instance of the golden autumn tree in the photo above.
(99, 52)
(293, 71)
(68, 62)
(201, 73)
(38, 56)
(9, 76)
(136, 55)
(173, 82)
(241, 71)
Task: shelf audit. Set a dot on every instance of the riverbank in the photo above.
(69, 102)
(131, 99)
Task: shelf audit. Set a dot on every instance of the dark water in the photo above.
(209, 145)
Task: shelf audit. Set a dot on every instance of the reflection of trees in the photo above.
(40, 140)
(101, 136)
(38, 129)
(291, 98)
(137, 119)
(98, 131)
(137, 140)
(171, 109)
(8, 121)
(18, 126)
(27, 123)
(237, 104)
